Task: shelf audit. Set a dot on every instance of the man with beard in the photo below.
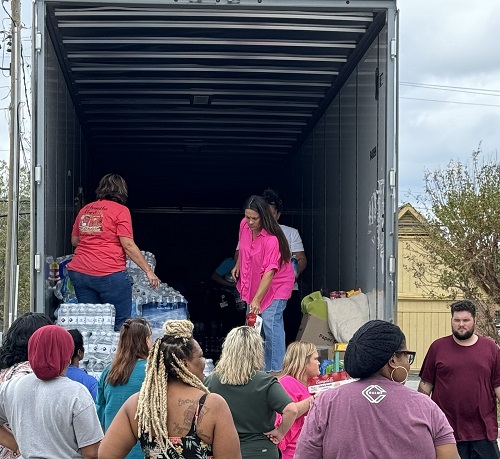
(462, 372)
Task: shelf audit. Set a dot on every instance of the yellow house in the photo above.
(421, 318)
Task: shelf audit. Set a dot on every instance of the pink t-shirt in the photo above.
(99, 226)
(258, 256)
(298, 392)
(464, 379)
(373, 418)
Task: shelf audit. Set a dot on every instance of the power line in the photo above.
(486, 92)
(24, 81)
(449, 102)
(438, 86)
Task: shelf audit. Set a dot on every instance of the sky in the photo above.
(450, 43)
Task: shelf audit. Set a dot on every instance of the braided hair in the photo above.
(165, 362)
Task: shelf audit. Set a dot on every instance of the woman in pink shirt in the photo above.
(265, 275)
(300, 363)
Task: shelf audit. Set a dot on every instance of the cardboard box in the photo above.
(325, 382)
(315, 330)
(324, 352)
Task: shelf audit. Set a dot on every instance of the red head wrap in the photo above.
(49, 351)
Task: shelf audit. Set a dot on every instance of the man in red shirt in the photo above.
(461, 373)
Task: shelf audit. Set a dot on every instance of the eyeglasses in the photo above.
(409, 354)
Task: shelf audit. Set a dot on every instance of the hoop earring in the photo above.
(392, 373)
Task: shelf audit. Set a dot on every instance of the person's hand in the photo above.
(235, 272)
(255, 306)
(153, 279)
(274, 435)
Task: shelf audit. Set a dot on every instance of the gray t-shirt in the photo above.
(49, 419)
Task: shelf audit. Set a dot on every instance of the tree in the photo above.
(23, 235)
(458, 251)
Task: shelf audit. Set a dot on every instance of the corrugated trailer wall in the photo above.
(62, 159)
(341, 188)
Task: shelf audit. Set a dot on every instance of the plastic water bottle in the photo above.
(112, 314)
(81, 316)
(91, 347)
(105, 310)
(86, 339)
(209, 367)
(115, 337)
(98, 316)
(62, 319)
(90, 316)
(72, 316)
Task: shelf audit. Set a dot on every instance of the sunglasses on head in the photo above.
(409, 354)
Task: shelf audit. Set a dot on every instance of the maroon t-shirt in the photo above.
(464, 378)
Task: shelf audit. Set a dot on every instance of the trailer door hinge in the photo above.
(392, 178)
(38, 174)
(38, 41)
(392, 264)
(393, 49)
(38, 262)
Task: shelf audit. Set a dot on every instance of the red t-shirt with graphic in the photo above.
(99, 226)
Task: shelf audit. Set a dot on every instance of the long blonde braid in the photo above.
(165, 360)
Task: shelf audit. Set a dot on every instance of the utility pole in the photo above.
(11, 256)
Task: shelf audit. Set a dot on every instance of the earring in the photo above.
(392, 373)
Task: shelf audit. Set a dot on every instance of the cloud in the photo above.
(451, 42)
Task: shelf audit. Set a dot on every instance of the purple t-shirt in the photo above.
(464, 378)
(373, 418)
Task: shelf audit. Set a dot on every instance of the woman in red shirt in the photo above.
(265, 275)
(102, 235)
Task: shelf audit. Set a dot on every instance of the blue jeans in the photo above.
(114, 288)
(274, 334)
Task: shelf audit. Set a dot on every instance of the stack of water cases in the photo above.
(96, 323)
(156, 305)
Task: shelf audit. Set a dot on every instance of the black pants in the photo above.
(479, 449)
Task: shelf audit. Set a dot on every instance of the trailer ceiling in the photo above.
(217, 85)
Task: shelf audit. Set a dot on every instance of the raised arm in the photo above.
(136, 256)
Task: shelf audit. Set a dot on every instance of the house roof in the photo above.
(410, 221)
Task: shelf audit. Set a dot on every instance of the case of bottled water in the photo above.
(156, 305)
(96, 323)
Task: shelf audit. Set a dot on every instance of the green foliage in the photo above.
(23, 235)
(458, 253)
